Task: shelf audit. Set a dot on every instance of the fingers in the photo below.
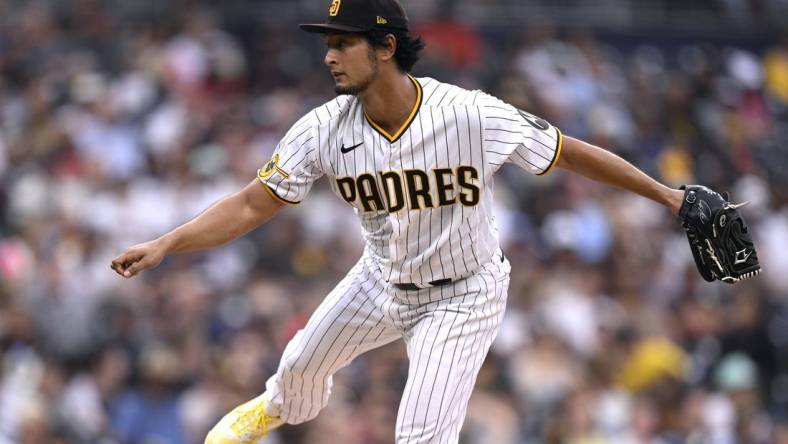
(128, 269)
(129, 255)
(135, 268)
(117, 268)
(138, 258)
(129, 263)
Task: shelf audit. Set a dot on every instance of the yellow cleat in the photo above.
(245, 424)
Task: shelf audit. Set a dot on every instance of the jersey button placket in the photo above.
(390, 163)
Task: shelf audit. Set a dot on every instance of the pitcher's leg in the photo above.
(348, 323)
(447, 348)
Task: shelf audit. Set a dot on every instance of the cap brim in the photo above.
(325, 28)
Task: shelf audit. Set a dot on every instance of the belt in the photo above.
(411, 286)
(435, 283)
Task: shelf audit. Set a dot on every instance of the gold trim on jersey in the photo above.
(393, 138)
(557, 153)
(276, 196)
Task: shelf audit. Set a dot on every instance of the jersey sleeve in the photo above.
(514, 135)
(289, 174)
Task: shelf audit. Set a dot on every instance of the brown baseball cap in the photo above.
(361, 16)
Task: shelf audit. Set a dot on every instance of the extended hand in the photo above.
(138, 258)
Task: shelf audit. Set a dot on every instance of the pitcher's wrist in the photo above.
(166, 243)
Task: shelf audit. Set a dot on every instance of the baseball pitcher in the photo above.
(416, 159)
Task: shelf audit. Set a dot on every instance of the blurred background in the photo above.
(121, 119)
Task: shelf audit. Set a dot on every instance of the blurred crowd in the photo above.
(114, 130)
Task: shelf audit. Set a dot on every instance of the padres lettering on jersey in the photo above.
(424, 194)
(445, 186)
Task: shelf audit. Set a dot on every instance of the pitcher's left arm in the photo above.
(603, 166)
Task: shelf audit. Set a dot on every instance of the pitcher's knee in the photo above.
(299, 392)
(298, 374)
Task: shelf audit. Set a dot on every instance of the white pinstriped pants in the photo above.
(447, 330)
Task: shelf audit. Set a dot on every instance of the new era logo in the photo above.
(382, 21)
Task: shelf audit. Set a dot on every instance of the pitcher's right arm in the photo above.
(224, 221)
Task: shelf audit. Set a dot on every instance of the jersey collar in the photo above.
(394, 137)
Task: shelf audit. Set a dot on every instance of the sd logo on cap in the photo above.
(333, 10)
(361, 16)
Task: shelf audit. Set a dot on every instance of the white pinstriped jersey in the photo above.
(424, 194)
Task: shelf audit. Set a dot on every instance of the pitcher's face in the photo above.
(352, 61)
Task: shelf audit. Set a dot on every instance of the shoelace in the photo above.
(252, 423)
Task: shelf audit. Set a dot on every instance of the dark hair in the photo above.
(408, 47)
